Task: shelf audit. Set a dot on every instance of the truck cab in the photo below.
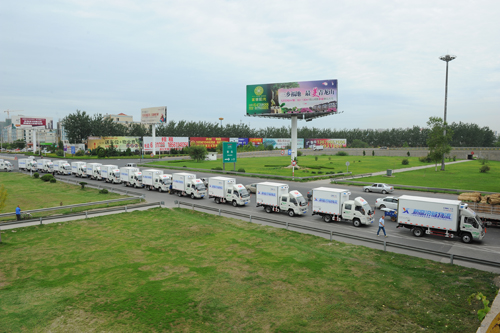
(164, 183)
(293, 203)
(196, 189)
(114, 176)
(358, 211)
(470, 224)
(5, 166)
(136, 179)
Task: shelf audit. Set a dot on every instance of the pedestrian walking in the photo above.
(381, 225)
(18, 213)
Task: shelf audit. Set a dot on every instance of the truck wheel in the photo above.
(268, 209)
(467, 238)
(356, 223)
(235, 204)
(291, 213)
(179, 194)
(418, 232)
(192, 195)
(217, 200)
(327, 218)
(159, 189)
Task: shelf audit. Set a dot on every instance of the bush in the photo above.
(103, 191)
(80, 153)
(342, 153)
(373, 152)
(217, 168)
(36, 175)
(340, 172)
(53, 180)
(484, 168)
(83, 185)
(47, 177)
(454, 157)
(60, 152)
(299, 153)
(408, 153)
(241, 170)
(364, 153)
(315, 158)
(405, 161)
(425, 159)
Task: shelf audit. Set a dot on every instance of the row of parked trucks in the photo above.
(447, 218)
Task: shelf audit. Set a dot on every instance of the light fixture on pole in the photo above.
(446, 58)
(221, 119)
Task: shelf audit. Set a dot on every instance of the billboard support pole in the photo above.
(294, 137)
(34, 141)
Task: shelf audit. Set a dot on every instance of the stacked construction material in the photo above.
(470, 196)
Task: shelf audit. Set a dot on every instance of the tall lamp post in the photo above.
(446, 58)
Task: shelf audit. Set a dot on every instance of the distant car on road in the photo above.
(387, 202)
(252, 188)
(379, 187)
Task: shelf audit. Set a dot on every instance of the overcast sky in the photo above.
(196, 58)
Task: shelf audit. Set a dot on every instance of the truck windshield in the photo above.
(166, 182)
(139, 177)
(243, 193)
(301, 201)
(200, 187)
(368, 209)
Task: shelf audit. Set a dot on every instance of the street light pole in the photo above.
(446, 58)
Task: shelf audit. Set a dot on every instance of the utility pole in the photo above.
(446, 58)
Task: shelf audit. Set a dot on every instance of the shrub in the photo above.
(315, 158)
(83, 185)
(217, 168)
(484, 168)
(364, 153)
(342, 153)
(454, 157)
(299, 153)
(425, 159)
(103, 191)
(80, 153)
(339, 172)
(241, 170)
(60, 152)
(320, 172)
(373, 152)
(408, 153)
(53, 180)
(36, 175)
(47, 177)
(405, 161)
(313, 172)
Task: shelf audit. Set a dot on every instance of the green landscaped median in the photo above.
(309, 166)
(462, 176)
(185, 271)
(30, 193)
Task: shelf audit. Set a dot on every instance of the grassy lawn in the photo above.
(184, 271)
(463, 176)
(325, 164)
(30, 193)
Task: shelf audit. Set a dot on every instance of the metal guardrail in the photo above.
(341, 234)
(86, 213)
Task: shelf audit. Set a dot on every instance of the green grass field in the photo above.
(463, 176)
(30, 193)
(185, 271)
(325, 164)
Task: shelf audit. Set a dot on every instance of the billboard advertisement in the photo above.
(121, 143)
(207, 142)
(283, 143)
(165, 143)
(27, 122)
(155, 115)
(289, 98)
(255, 141)
(326, 143)
(240, 141)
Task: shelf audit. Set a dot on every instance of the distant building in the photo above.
(120, 118)
(22, 127)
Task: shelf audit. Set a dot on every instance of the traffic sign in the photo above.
(229, 152)
(152, 155)
(289, 152)
(282, 152)
(347, 163)
(472, 152)
(294, 163)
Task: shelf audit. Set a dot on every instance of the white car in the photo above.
(387, 202)
(379, 187)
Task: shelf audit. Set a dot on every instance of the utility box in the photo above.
(389, 172)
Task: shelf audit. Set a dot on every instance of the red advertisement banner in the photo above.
(207, 142)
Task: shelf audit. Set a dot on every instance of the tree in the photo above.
(357, 143)
(438, 141)
(19, 144)
(197, 153)
(78, 126)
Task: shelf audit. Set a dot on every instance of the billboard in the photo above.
(121, 143)
(155, 115)
(240, 141)
(282, 143)
(207, 142)
(27, 122)
(292, 98)
(255, 141)
(326, 143)
(165, 143)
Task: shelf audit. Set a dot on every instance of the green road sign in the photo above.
(229, 152)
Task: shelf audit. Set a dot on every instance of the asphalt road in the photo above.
(487, 249)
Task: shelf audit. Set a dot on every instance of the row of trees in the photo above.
(79, 126)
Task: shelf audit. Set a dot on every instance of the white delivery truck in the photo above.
(79, 169)
(93, 170)
(44, 165)
(105, 172)
(275, 197)
(186, 184)
(31, 165)
(150, 178)
(224, 189)
(442, 217)
(23, 164)
(334, 204)
(131, 176)
(114, 176)
(62, 167)
(5, 165)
